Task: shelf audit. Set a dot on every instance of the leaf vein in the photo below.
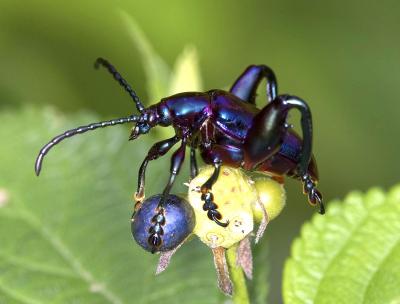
(378, 266)
(340, 251)
(68, 256)
(29, 265)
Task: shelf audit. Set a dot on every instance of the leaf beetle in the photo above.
(227, 129)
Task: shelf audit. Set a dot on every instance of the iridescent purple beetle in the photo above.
(228, 129)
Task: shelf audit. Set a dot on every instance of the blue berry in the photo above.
(162, 232)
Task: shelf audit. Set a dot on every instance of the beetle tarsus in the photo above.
(209, 205)
(318, 200)
(156, 231)
(314, 196)
(211, 208)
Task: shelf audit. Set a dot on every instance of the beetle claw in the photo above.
(214, 218)
(315, 198)
(318, 199)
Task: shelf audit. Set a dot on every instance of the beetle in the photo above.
(226, 128)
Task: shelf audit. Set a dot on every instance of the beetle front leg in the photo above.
(156, 231)
(266, 136)
(208, 198)
(157, 150)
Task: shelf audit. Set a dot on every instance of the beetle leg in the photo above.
(309, 187)
(158, 220)
(157, 150)
(266, 135)
(245, 87)
(193, 163)
(314, 196)
(208, 198)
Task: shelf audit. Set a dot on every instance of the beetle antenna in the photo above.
(79, 130)
(117, 76)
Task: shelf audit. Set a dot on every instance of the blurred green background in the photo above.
(343, 57)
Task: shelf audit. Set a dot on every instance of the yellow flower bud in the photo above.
(234, 196)
(271, 194)
(239, 197)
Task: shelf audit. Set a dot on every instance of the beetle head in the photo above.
(148, 119)
(138, 129)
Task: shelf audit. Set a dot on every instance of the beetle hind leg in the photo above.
(314, 196)
(266, 136)
(245, 87)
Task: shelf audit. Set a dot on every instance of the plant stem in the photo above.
(240, 293)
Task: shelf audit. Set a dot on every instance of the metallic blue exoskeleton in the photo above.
(227, 128)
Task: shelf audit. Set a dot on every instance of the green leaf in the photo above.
(350, 255)
(65, 236)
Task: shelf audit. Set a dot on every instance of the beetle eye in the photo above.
(140, 128)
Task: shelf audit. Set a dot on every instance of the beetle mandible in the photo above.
(227, 128)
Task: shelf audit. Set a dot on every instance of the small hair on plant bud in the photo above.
(271, 197)
(221, 267)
